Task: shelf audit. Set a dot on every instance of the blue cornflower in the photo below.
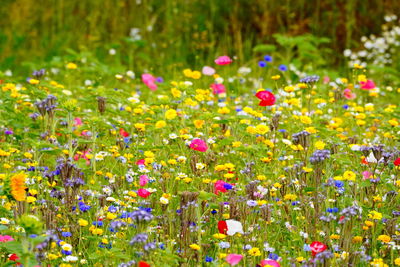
(282, 67)
(268, 58)
(262, 64)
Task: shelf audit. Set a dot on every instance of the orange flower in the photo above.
(18, 186)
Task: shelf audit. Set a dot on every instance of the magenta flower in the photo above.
(269, 262)
(233, 259)
(143, 180)
(198, 145)
(223, 60)
(218, 88)
(5, 238)
(267, 98)
(144, 193)
(368, 85)
(150, 81)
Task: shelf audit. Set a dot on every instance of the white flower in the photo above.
(71, 258)
(164, 200)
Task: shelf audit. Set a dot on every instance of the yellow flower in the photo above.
(71, 66)
(290, 197)
(219, 236)
(349, 176)
(33, 81)
(375, 215)
(140, 126)
(254, 252)
(305, 119)
(357, 239)
(30, 199)
(83, 222)
(198, 123)
(224, 110)
(262, 129)
(319, 145)
(397, 261)
(384, 238)
(18, 187)
(276, 77)
(171, 114)
(195, 246)
(160, 124)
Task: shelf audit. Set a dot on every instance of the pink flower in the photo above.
(219, 186)
(149, 80)
(208, 71)
(78, 122)
(5, 238)
(223, 60)
(269, 262)
(143, 180)
(368, 85)
(348, 94)
(233, 259)
(218, 88)
(140, 162)
(144, 193)
(366, 175)
(198, 145)
(267, 98)
(326, 79)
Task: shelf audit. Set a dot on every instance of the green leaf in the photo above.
(13, 247)
(264, 48)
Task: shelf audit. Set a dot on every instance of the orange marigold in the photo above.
(18, 186)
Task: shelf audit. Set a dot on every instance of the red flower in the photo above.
(143, 264)
(267, 98)
(317, 247)
(222, 227)
(123, 132)
(396, 162)
(13, 257)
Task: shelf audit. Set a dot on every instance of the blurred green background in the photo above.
(157, 33)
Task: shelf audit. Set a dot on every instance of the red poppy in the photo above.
(13, 257)
(317, 247)
(143, 264)
(396, 162)
(222, 227)
(123, 132)
(267, 98)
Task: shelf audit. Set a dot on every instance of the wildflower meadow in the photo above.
(280, 158)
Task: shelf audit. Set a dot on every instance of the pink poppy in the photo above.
(267, 98)
(221, 186)
(144, 193)
(368, 85)
(272, 263)
(223, 60)
(141, 162)
(143, 180)
(317, 247)
(208, 71)
(5, 238)
(218, 88)
(233, 259)
(78, 122)
(198, 145)
(348, 94)
(366, 175)
(150, 81)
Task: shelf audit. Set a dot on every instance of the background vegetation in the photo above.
(177, 31)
